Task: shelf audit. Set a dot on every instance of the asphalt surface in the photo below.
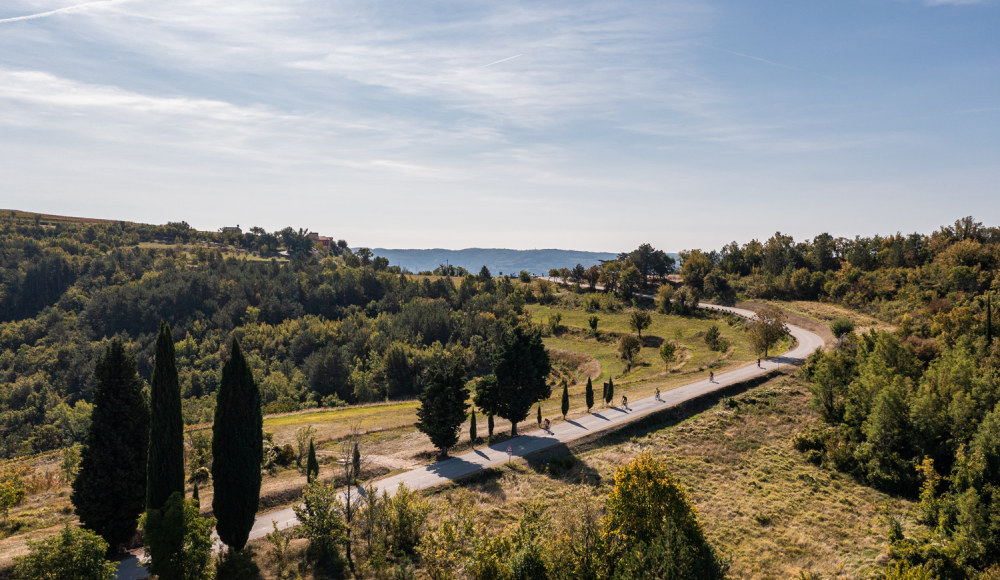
(455, 467)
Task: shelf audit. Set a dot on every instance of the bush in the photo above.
(178, 540)
(651, 523)
(74, 554)
(237, 565)
(713, 336)
(841, 327)
(321, 522)
(406, 513)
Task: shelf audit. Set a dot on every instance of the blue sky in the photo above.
(571, 124)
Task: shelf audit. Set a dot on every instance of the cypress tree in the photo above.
(489, 426)
(110, 491)
(356, 461)
(237, 450)
(312, 466)
(194, 493)
(443, 401)
(539, 418)
(165, 463)
(590, 395)
(472, 427)
(611, 391)
(565, 400)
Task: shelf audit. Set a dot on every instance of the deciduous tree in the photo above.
(767, 328)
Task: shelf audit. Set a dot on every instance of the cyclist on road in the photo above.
(711, 377)
(657, 393)
(758, 363)
(625, 402)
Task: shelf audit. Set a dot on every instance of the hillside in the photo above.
(496, 259)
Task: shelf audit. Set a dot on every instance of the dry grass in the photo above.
(825, 313)
(761, 502)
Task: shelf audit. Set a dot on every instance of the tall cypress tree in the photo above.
(590, 395)
(312, 466)
(472, 427)
(611, 391)
(165, 467)
(110, 491)
(489, 426)
(237, 450)
(565, 400)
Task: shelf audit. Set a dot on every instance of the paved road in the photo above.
(530, 442)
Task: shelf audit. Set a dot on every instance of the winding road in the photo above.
(455, 467)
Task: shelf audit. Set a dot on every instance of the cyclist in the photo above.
(711, 377)
(758, 363)
(624, 402)
(657, 393)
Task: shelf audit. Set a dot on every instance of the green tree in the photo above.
(695, 266)
(610, 394)
(766, 329)
(520, 368)
(841, 327)
(651, 523)
(444, 399)
(639, 320)
(565, 400)
(237, 450)
(312, 466)
(178, 540)
(321, 522)
(664, 299)
(712, 337)
(592, 321)
(473, 434)
(73, 554)
(628, 349)
(165, 462)
(668, 351)
(538, 419)
(109, 492)
(12, 491)
(589, 395)
(489, 426)
(525, 276)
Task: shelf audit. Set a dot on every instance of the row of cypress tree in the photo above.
(133, 458)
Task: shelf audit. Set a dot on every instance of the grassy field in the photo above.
(689, 332)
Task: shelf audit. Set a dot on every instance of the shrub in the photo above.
(651, 516)
(237, 565)
(74, 553)
(841, 327)
(406, 513)
(628, 349)
(12, 491)
(178, 540)
(712, 337)
(321, 522)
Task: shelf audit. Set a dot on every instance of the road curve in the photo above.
(455, 467)
(444, 471)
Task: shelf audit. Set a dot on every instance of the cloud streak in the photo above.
(58, 11)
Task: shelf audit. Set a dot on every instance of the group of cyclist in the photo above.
(711, 379)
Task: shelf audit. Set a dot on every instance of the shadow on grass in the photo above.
(559, 462)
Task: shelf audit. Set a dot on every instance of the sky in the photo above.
(578, 124)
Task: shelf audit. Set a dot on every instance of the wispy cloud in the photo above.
(98, 3)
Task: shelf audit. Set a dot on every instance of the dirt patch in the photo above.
(580, 364)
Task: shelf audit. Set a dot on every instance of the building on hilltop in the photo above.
(228, 229)
(321, 240)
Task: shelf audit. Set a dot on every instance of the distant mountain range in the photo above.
(496, 259)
